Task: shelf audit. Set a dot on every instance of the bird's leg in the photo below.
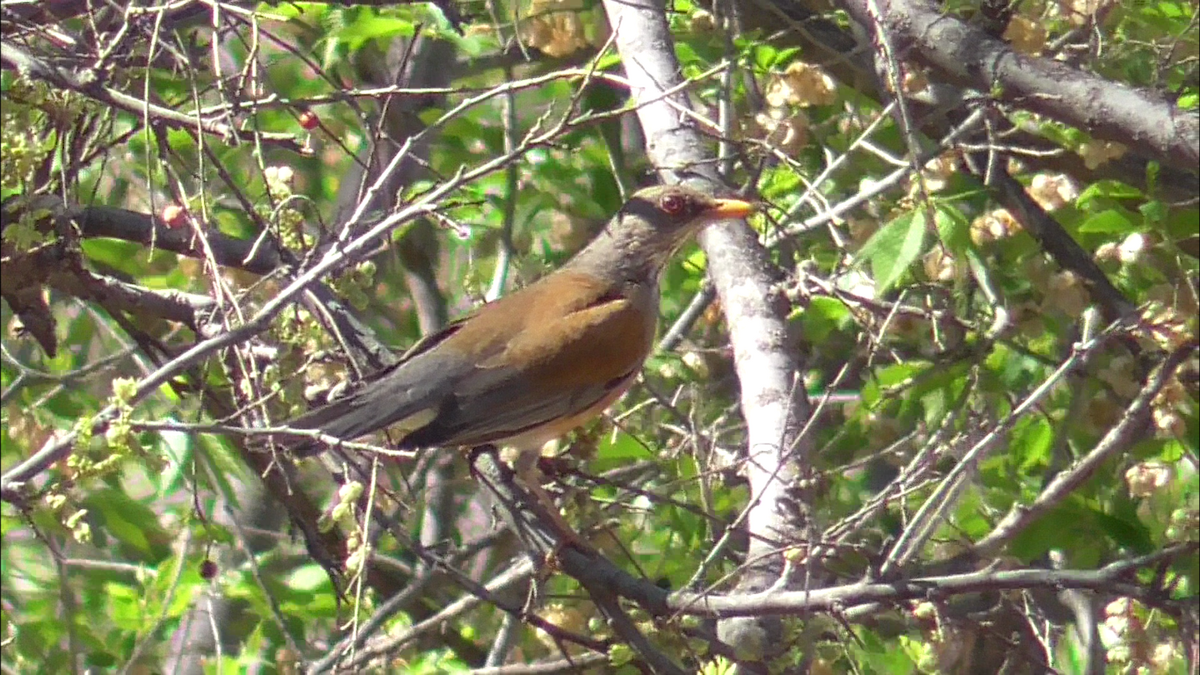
(527, 472)
(529, 512)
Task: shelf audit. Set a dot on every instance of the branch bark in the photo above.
(964, 54)
(772, 403)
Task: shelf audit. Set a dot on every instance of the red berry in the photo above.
(173, 215)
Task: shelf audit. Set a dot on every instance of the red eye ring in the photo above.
(673, 205)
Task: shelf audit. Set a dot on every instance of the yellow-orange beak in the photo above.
(730, 208)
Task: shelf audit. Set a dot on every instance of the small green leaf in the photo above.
(1109, 189)
(1126, 531)
(1154, 211)
(372, 26)
(609, 60)
(131, 522)
(625, 447)
(893, 248)
(686, 53)
(786, 54)
(899, 373)
(823, 317)
(1031, 442)
(953, 228)
(765, 56)
(779, 184)
(1107, 221)
(309, 578)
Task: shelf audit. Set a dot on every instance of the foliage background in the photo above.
(984, 298)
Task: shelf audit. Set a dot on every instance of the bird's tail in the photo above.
(335, 419)
(356, 415)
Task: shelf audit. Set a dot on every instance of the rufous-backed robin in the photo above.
(533, 365)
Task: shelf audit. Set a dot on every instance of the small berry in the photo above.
(208, 570)
(173, 215)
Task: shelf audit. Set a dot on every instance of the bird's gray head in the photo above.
(652, 225)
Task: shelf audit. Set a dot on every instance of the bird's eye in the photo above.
(673, 205)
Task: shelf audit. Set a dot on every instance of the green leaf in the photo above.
(686, 54)
(1181, 223)
(765, 56)
(953, 228)
(1154, 211)
(371, 26)
(1032, 439)
(131, 522)
(125, 605)
(622, 449)
(1107, 221)
(125, 256)
(609, 60)
(1127, 532)
(899, 373)
(786, 54)
(779, 184)
(1109, 189)
(823, 317)
(938, 389)
(895, 247)
(311, 578)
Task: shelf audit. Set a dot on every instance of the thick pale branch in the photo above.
(1115, 579)
(967, 55)
(771, 401)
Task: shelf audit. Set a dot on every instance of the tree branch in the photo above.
(967, 55)
(771, 401)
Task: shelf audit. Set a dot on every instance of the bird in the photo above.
(535, 364)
